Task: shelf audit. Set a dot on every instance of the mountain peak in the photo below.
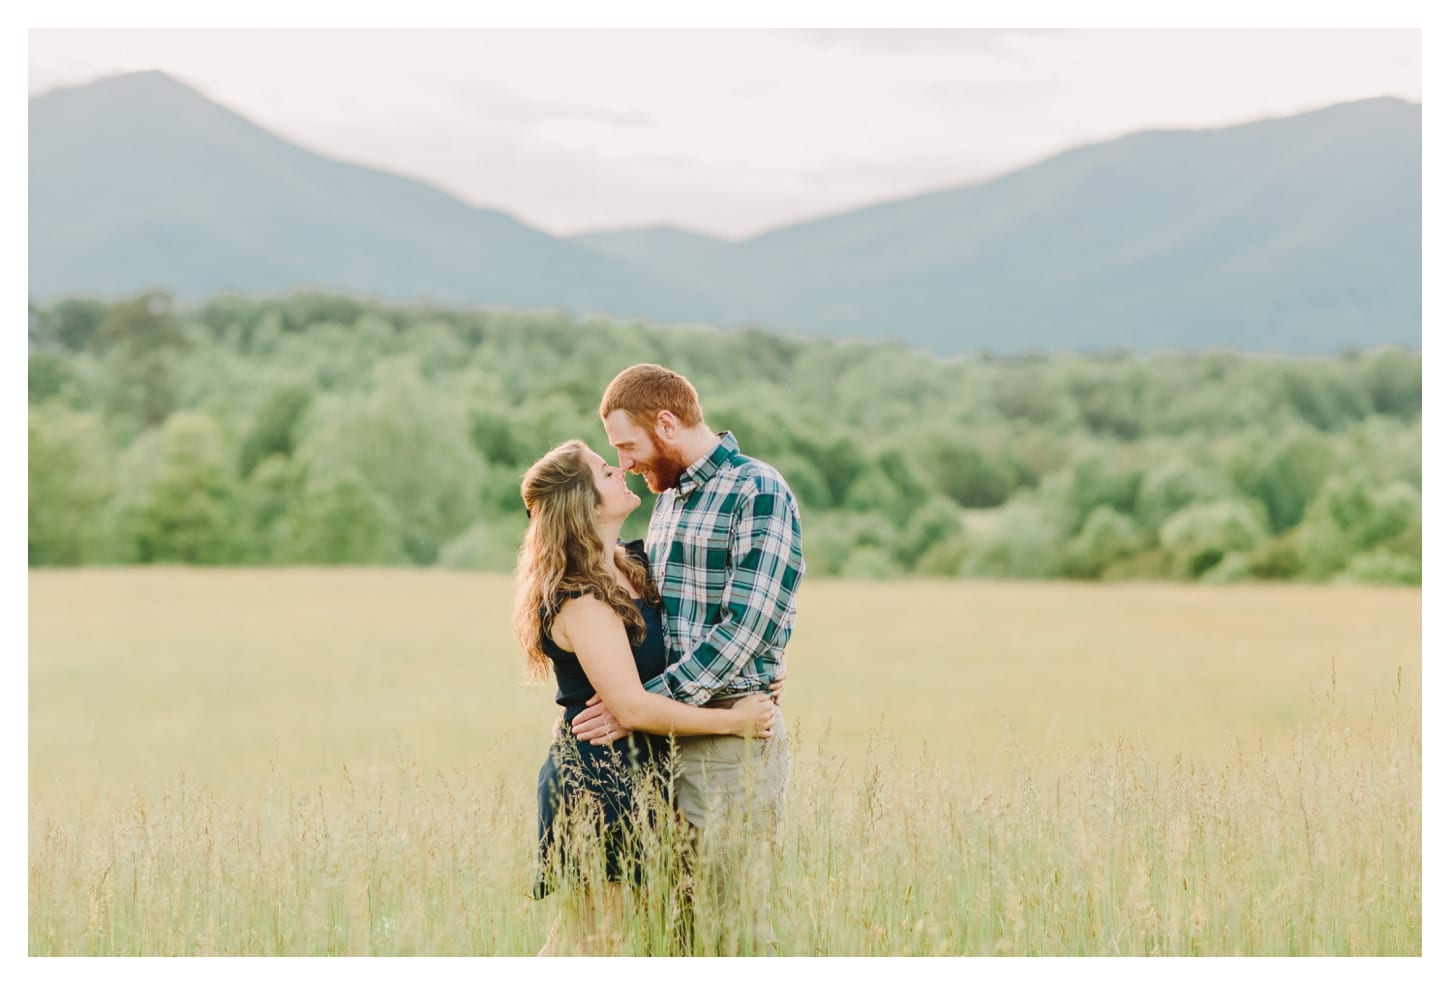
(149, 76)
(148, 81)
(121, 100)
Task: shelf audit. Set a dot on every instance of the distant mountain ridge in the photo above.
(657, 247)
(139, 181)
(1299, 234)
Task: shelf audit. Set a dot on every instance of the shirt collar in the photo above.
(698, 474)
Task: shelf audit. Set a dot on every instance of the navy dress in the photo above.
(604, 780)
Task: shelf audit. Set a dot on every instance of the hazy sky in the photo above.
(731, 132)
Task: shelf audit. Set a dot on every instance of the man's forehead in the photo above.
(622, 430)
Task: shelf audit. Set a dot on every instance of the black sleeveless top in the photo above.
(649, 654)
(607, 776)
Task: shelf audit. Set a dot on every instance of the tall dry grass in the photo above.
(315, 763)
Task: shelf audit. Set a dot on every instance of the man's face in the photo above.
(645, 452)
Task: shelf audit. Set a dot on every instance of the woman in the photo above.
(592, 613)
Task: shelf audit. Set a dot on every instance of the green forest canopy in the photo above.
(321, 429)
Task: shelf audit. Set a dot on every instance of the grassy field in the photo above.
(342, 762)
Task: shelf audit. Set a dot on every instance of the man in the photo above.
(724, 546)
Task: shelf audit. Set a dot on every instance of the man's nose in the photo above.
(625, 462)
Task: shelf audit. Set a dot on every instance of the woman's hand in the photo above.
(777, 686)
(757, 716)
(596, 725)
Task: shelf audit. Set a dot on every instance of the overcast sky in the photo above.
(731, 132)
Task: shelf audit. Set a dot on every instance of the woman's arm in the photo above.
(596, 635)
(596, 725)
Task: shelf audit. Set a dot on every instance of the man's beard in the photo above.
(665, 468)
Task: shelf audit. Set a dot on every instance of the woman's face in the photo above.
(616, 499)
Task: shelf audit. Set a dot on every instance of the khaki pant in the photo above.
(732, 791)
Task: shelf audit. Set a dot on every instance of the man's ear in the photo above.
(667, 424)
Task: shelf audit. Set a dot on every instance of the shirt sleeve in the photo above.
(765, 566)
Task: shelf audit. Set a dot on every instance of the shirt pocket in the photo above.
(703, 556)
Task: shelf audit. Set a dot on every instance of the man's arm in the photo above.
(760, 587)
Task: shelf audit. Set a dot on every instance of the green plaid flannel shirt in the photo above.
(725, 550)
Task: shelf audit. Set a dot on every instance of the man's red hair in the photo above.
(644, 390)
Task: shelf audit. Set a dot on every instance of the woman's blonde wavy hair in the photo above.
(563, 555)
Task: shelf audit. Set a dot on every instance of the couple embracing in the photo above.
(668, 655)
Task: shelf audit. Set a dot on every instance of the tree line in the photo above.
(325, 429)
